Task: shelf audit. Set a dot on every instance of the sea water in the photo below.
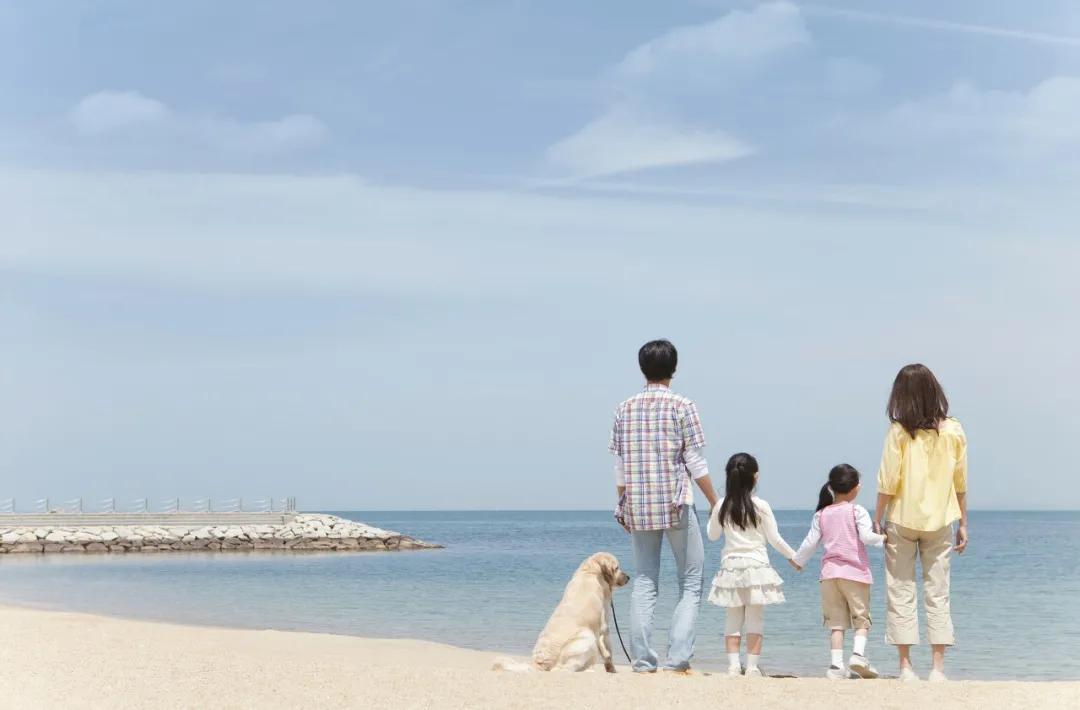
(501, 574)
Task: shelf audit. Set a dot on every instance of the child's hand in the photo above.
(796, 565)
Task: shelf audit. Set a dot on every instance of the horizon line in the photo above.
(606, 510)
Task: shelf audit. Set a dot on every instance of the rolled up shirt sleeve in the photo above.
(695, 462)
(889, 473)
(693, 435)
(960, 472)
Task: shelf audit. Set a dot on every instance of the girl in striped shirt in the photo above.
(845, 530)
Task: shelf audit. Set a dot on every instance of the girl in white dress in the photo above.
(745, 582)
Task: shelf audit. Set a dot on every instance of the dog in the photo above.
(577, 632)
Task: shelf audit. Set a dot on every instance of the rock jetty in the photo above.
(301, 532)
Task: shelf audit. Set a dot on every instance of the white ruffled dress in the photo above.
(745, 576)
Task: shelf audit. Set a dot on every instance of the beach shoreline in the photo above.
(91, 661)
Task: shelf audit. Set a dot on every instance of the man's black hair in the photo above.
(658, 359)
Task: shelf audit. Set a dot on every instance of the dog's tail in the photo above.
(509, 664)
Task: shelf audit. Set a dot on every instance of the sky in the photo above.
(402, 255)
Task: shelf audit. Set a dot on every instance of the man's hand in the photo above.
(796, 565)
(961, 538)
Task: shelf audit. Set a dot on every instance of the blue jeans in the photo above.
(684, 537)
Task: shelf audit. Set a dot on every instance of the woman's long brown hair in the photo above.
(917, 400)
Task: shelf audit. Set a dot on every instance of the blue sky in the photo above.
(401, 255)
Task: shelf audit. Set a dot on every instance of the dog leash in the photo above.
(619, 633)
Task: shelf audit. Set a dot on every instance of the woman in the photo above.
(922, 491)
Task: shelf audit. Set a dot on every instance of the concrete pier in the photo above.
(180, 532)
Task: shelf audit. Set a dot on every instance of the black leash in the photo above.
(619, 633)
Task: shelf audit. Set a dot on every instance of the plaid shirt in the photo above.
(652, 430)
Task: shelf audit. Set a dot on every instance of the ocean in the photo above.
(502, 573)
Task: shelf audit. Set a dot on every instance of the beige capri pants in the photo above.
(933, 549)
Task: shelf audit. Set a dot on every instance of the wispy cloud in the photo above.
(738, 36)
(635, 134)
(108, 111)
(123, 112)
(929, 23)
(1038, 125)
(625, 140)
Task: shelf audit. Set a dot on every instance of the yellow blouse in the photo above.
(924, 474)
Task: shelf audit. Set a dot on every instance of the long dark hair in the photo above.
(917, 400)
(738, 507)
(842, 479)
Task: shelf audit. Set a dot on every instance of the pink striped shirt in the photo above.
(844, 529)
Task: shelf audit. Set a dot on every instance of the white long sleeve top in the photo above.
(750, 542)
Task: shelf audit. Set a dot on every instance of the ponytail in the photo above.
(842, 479)
(825, 497)
(738, 506)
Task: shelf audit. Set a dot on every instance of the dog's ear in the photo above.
(609, 567)
(592, 565)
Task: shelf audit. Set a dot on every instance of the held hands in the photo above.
(797, 566)
(961, 539)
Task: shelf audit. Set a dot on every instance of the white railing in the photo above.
(168, 506)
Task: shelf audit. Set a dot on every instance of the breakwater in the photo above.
(219, 532)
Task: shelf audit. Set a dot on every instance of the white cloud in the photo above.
(108, 111)
(685, 62)
(121, 112)
(737, 37)
(1037, 123)
(624, 140)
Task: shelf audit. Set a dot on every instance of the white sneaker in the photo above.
(908, 675)
(936, 676)
(861, 666)
(835, 673)
(734, 671)
(754, 672)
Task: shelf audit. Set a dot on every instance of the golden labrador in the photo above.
(577, 632)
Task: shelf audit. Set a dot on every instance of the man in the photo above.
(657, 441)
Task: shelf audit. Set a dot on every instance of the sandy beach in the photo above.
(59, 659)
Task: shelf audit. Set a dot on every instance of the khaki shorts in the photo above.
(845, 604)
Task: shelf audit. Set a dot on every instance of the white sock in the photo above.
(751, 660)
(860, 645)
(733, 660)
(837, 655)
